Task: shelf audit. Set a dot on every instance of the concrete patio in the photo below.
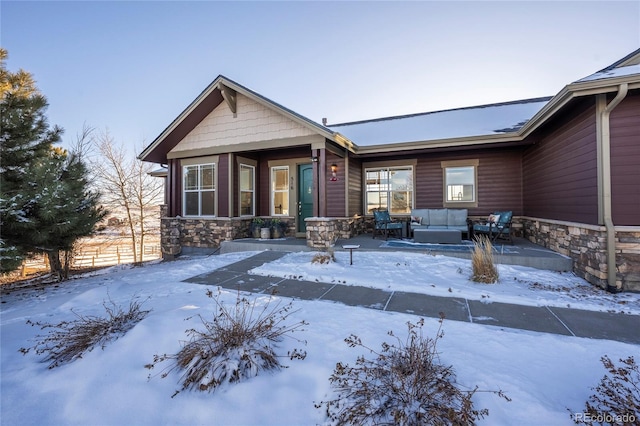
(545, 319)
(522, 252)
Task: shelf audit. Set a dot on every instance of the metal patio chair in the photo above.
(385, 225)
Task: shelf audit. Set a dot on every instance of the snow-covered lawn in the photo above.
(547, 376)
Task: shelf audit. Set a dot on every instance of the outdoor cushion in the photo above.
(416, 220)
(437, 217)
(457, 217)
(505, 217)
(494, 218)
(423, 213)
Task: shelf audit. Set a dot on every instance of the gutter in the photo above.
(605, 140)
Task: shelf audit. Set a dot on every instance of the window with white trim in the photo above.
(247, 190)
(390, 188)
(199, 190)
(280, 191)
(460, 184)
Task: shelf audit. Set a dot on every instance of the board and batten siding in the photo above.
(499, 181)
(625, 161)
(560, 169)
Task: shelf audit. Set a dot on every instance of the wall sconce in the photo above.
(314, 159)
(334, 171)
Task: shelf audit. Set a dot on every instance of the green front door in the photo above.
(305, 195)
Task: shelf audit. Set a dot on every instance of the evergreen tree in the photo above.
(44, 201)
(60, 207)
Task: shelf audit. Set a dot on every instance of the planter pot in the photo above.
(256, 233)
(265, 233)
(276, 233)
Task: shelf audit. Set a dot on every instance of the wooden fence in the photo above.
(98, 252)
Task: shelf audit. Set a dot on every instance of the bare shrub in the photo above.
(69, 340)
(483, 266)
(404, 385)
(235, 345)
(617, 397)
(324, 257)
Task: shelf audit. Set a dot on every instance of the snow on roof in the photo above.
(455, 123)
(611, 73)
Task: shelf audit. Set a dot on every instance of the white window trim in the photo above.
(460, 163)
(272, 203)
(199, 191)
(388, 167)
(253, 191)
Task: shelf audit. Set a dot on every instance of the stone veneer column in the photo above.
(587, 246)
(322, 232)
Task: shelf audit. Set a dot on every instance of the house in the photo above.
(568, 167)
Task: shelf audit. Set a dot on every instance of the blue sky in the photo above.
(132, 67)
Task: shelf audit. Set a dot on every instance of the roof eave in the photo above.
(223, 81)
(180, 118)
(441, 143)
(574, 90)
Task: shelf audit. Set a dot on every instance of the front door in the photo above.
(305, 195)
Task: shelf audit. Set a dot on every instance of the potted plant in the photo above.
(278, 228)
(256, 225)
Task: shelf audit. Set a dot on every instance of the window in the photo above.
(460, 183)
(280, 191)
(390, 188)
(247, 191)
(199, 190)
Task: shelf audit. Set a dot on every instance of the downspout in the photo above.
(606, 186)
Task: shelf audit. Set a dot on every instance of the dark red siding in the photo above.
(175, 188)
(560, 170)
(499, 180)
(336, 199)
(625, 161)
(355, 187)
(222, 190)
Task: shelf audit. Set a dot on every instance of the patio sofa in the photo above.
(440, 219)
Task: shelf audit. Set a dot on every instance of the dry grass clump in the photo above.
(617, 397)
(69, 340)
(404, 385)
(234, 346)
(483, 266)
(324, 257)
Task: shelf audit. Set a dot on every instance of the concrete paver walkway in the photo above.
(564, 321)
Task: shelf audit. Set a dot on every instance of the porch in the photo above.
(522, 252)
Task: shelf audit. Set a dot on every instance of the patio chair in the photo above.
(385, 225)
(497, 226)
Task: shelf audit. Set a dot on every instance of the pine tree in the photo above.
(44, 201)
(60, 207)
(24, 137)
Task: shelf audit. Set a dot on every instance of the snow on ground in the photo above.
(547, 376)
(448, 277)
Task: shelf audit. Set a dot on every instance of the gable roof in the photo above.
(222, 89)
(501, 122)
(632, 58)
(483, 120)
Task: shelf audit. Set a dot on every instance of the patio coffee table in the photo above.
(437, 236)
